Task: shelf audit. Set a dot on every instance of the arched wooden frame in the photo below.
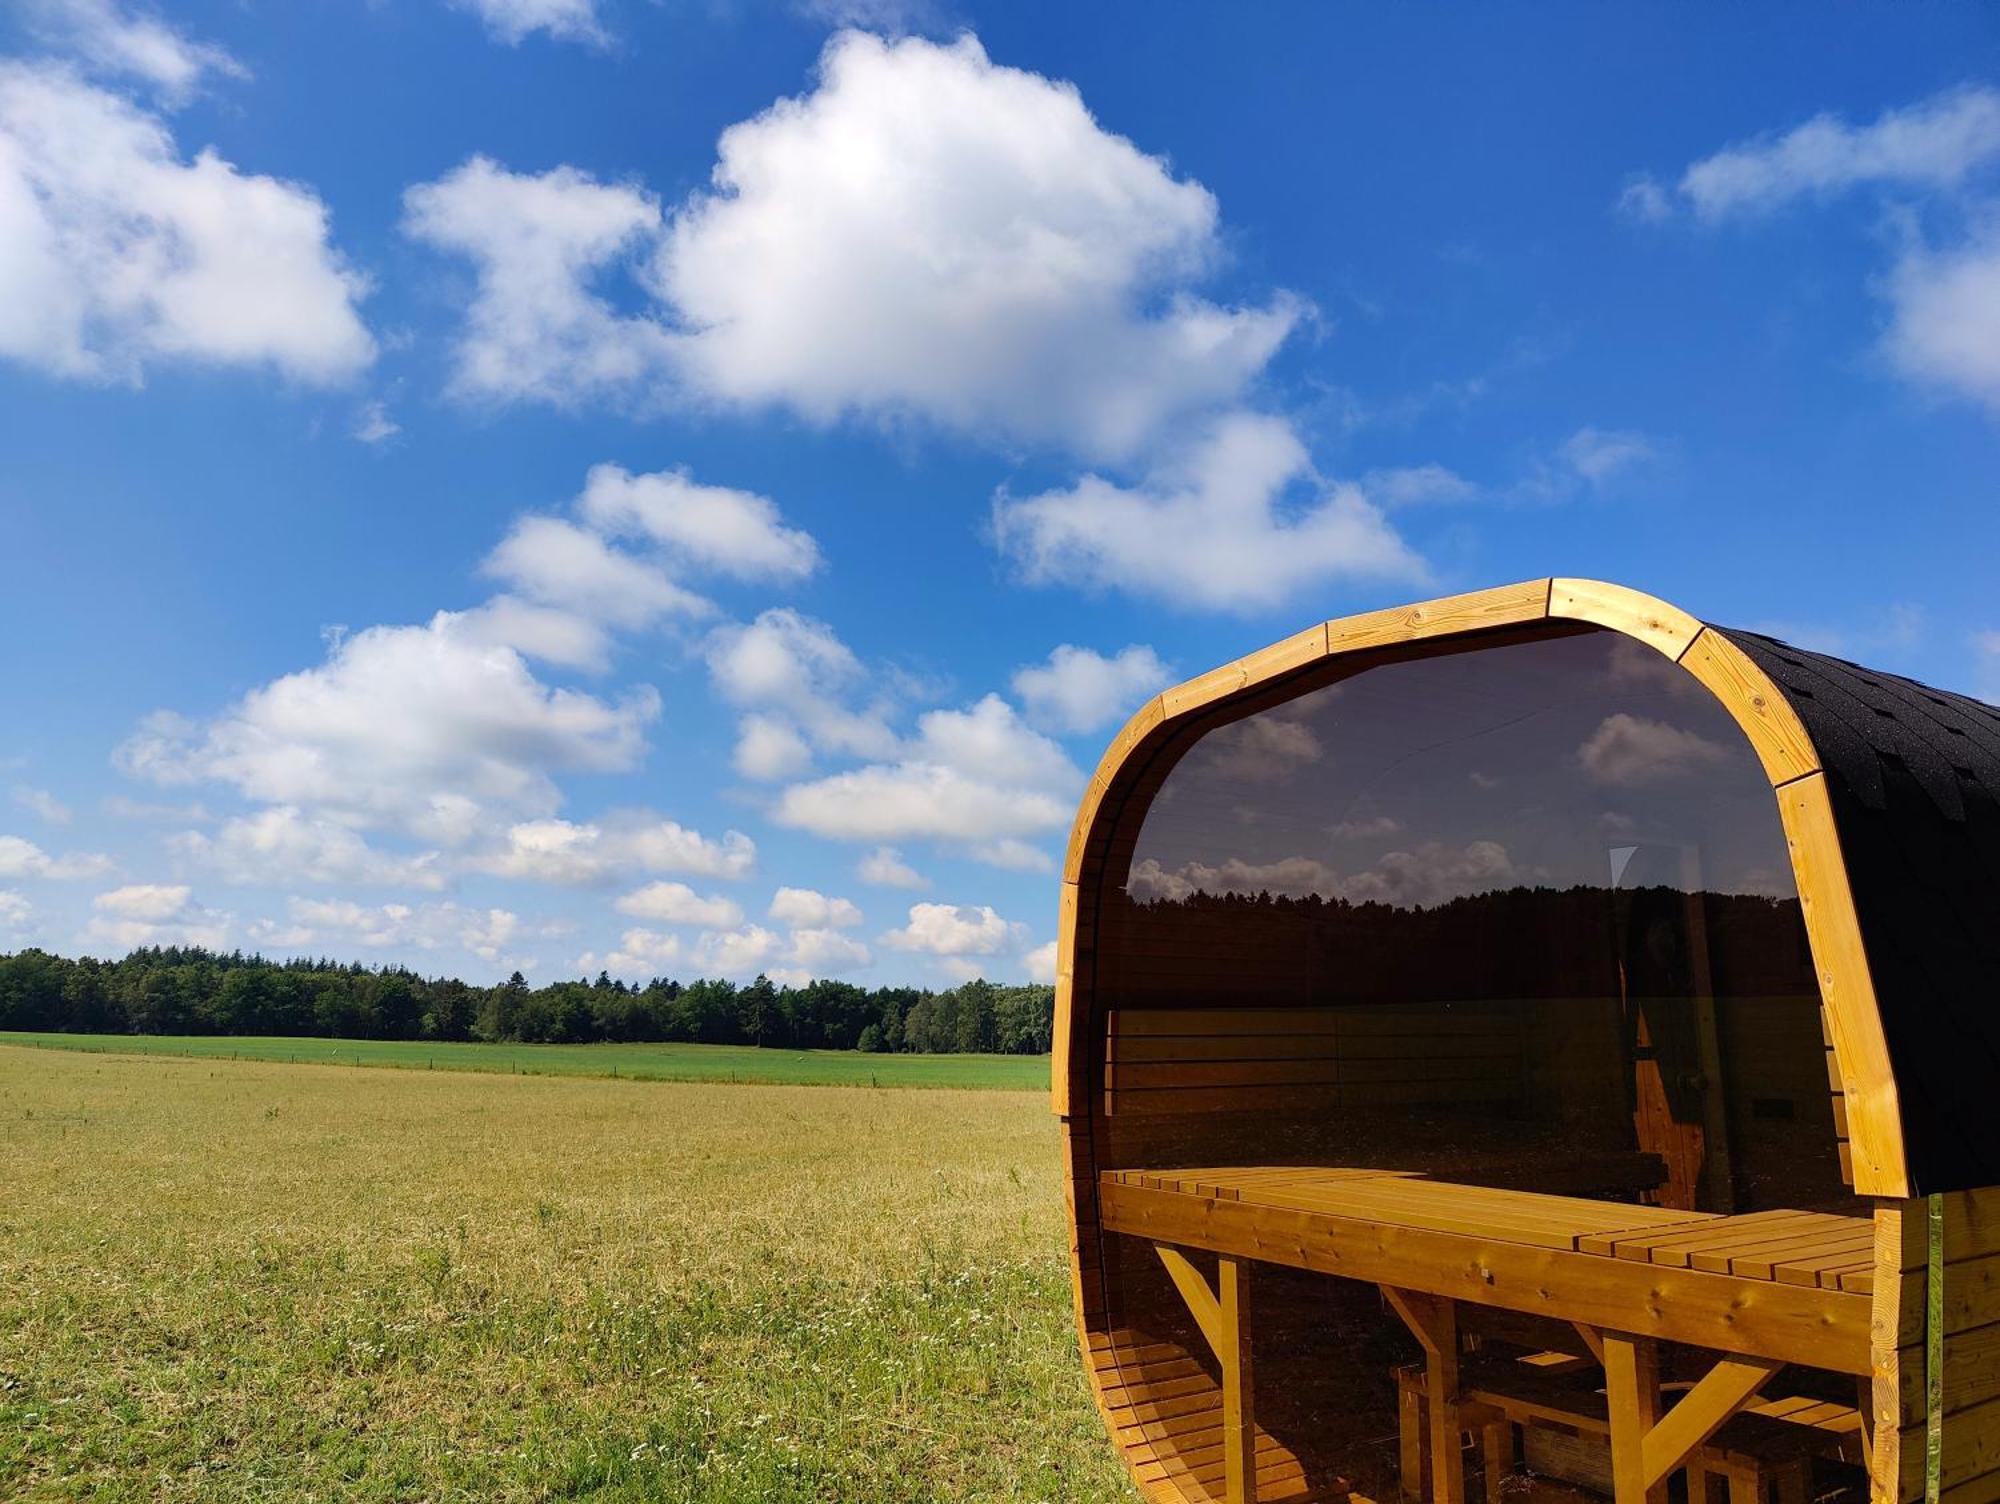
(1790, 761)
(1774, 731)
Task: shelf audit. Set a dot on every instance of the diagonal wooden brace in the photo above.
(1723, 1390)
(1223, 1315)
(1646, 1447)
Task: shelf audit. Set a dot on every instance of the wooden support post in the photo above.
(1223, 1314)
(1496, 1449)
(1410, 1442)
(1632, 1385)
(1239, 1432)
(1433, 1321)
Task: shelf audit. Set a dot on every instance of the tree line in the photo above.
(186, 990)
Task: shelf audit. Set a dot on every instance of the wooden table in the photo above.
(1761, 1290)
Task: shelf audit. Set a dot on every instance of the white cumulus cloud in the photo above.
(978, 778)
(932, 235)
(797, 682)
(116, 254)
(535, 329)
(924, 236)
(513, 21)
(677, 903)
(576, 853)
(16, 913)
(571, 568)
(1933, 145)
(1080, 690)
(488, 933)
(955, 930)
(155, 914)
(1943, 290)
(285, 846)
(1597, 454)
(1945, 306)
(712, 527)
(149, 901)
(884, 867)
(20, 857)
(425, 729)
(807, 908)
(1212, 529)
(109, 38)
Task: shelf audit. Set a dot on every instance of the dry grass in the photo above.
(248, 1281)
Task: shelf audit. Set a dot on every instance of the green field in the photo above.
(240, 1281)
(640, 1062)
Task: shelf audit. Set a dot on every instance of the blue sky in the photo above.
(692, 488)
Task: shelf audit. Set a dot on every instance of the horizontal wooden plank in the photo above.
(1176, 1075)
(1164, 1048)
(1971, 1367)
(1289, 1098)
(1971, 1444)
(1386, 1019)
(1971, 1224)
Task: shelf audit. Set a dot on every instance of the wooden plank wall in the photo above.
(1965, 1310)
(1182, 1060)
(1969, 1312)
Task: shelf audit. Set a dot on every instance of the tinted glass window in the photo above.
(1536, 887)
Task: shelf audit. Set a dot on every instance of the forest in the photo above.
(172, 990)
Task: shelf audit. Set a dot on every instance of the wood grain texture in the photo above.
(1449, 616)
(1641, 617)
(1758, 706)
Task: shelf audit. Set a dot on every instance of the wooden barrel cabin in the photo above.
(1531, 1041)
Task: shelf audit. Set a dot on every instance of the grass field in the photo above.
(640, 1062)
(241, 1281)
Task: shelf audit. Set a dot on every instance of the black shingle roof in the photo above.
(1914, 779)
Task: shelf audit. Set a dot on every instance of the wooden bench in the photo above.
(1430, 1245)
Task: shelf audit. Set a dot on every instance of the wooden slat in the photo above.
(1674, 1242)
(1281, 1098)
(1426, 1023)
